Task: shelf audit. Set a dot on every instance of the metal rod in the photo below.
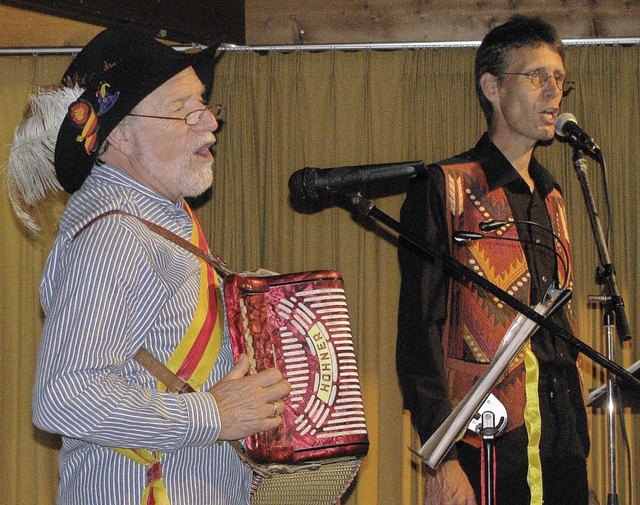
(366, 208)
(612, 497)
(18, 51)
(416, 45)
(608, 277)
(36, 51)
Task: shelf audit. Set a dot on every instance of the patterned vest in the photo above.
(477, 320)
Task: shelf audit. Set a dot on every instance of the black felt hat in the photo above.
(118, 69)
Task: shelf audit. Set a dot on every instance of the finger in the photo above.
(272, 410)
(268, 377)
(240, 369)
(271, 423)
(278, 408)
(277, 391)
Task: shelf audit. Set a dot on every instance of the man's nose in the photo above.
(209, 121)
(552, 87)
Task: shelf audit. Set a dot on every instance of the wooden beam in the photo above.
(271, 22)
(21, 28)
(184, 21)
(281, 22)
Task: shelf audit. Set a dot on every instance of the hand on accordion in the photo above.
(249, 404)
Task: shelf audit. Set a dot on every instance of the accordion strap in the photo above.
(213, 259)
(160, 371)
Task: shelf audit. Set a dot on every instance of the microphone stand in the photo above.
(613, 314)
(608, 323)
(607, 272)
(360, 205)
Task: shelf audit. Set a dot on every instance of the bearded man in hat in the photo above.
(135, 140)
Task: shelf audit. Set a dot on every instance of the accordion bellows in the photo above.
(299, 323)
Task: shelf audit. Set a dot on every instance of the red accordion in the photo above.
(299, 323)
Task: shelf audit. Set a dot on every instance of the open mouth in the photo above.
(203, 146)
(205, 151)
(550, 114)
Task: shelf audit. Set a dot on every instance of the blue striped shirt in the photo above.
(115, 288)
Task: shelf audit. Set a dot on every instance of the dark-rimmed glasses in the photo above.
(192, 118)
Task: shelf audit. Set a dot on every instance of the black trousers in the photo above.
(564, 480)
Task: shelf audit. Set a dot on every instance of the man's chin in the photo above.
(199, 182)
(546, 136)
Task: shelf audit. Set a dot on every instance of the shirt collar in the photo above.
(114, 175)
(499, 171)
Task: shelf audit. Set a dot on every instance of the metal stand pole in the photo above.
(612, 403)
(490, 419)
(488, 432)
(612, 497)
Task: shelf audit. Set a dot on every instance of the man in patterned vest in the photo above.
(449, 329)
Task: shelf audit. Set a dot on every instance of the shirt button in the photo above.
(537, 241)
(544, 278)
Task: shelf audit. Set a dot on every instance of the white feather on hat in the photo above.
(30, 170)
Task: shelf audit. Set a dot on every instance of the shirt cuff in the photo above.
(203, 419)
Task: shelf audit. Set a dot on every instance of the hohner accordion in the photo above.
(299, 323)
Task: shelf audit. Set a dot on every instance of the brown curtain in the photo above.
(286, 111)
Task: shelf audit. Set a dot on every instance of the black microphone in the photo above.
(310, 184)
(567, 126)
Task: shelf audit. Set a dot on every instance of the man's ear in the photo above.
(121, 139)
(489, 85)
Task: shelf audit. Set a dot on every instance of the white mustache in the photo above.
(200, 142)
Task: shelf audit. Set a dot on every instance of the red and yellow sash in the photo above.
(192, 360)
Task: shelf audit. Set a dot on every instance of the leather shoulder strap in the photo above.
(173, 383)
(213, 259)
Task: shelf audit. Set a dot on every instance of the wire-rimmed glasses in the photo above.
(192, 118)
(539, 78)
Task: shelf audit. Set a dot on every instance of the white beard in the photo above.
(198, 180)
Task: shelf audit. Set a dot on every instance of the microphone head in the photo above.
(463, 237)
(303, 193)
(301, 185)
(561, 121)
(491, 225)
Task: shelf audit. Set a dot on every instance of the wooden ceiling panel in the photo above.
(284, 22)
(326, 22)
(21, 29)
(184, 21)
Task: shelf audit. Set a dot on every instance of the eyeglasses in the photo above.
(540, 77)
(192, 118)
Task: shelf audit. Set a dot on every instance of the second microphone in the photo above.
(311, 184)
